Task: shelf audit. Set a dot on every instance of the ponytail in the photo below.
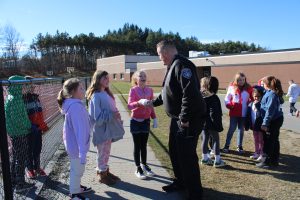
(60, 99)
(69, 87)
(275, 85)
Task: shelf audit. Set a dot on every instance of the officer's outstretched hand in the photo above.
(155, 124)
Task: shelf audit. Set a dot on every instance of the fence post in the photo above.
(86, 87)
(8, 193)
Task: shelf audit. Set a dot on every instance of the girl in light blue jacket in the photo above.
(106, 122)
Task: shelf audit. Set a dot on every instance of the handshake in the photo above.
(145, 102)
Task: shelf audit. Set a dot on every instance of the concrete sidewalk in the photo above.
(122, 164)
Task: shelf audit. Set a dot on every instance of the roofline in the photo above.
(259, 52)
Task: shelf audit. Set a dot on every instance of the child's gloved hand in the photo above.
(155, 124)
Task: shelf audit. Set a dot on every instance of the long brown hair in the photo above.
(274, 84)
(69, 87)
(95, 85)
(235, 82)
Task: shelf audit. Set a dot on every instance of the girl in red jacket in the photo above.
(239, 94)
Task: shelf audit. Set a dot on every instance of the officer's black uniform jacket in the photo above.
(181, 94)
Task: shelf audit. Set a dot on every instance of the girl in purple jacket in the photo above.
(76, 132)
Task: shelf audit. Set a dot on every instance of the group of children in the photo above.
(257, 108)
(25, 125)
(103, 120)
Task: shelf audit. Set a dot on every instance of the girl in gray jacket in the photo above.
(106, 123)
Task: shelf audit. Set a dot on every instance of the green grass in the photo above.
(121, 87)
(240, 179)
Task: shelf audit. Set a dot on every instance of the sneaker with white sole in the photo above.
(208, 161)
(140, 173)
(147, 170)
(212, 154)
(225, 149)
(261, 158)
(240, 150)
(221, 163)
(78, 197)
(254, 156)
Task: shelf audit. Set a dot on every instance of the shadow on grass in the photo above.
(217, 195)
(288, 169)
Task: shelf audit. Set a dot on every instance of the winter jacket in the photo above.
(140, 112)
(214, 112)
(17, 121)
(270, 107)
(181, 94)
(76, 130)
(253, 119)
(293, 93)
(104, 125)
(35, 110)
(237, 101)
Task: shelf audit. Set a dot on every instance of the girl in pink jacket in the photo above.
(239, 95)
(140, 121)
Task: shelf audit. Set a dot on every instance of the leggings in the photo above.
(140, 147)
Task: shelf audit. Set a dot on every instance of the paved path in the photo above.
(122, 164)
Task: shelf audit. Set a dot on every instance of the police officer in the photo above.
(185, 106)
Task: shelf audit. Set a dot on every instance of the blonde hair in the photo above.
(95, 85)
(237, 76)
(69, 87)
(134, 78)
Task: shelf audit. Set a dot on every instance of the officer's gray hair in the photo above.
(166, 44)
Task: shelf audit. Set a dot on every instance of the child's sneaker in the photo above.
(147, 170)
(240, 150)
(78, 197)
(261, 158)
(221, 163)
(212, 154)
(30, 174)
(297, 113)
(254, 156)
(41, 172)
(85, 189)
(140, 173)
(206, 162)
(225, 149)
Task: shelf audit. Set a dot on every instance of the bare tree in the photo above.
(12, 44)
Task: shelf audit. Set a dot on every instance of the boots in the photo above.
(114, 177)
(105, 178)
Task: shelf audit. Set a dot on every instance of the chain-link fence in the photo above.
(30, 133)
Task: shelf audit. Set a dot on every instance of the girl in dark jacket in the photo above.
(213, 124)
(254, 121)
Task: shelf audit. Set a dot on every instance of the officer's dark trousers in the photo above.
(182, 146)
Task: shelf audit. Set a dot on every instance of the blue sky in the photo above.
(270, 23)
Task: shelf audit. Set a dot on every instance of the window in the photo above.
(121, 76)
(115, 76)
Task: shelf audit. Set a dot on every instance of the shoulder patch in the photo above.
(186, 73)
